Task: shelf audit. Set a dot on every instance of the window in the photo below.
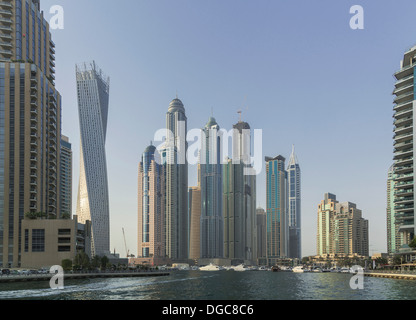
(38, 240)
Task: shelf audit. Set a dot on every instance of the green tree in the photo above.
(412, 243)
(66, 264)
(82, 260)
(96, 262)
(104, 262)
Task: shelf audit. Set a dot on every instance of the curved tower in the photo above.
(93, 97)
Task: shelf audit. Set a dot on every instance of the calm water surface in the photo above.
(222, 285)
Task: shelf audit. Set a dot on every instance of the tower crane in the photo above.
(125, 245)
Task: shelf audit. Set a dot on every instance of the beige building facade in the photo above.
(46, 242)
(341, 229)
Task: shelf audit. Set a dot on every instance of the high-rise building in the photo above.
(93, 203)
(394, 237)
(261, 235)
(176, 175)
(277, 213)
(341, 228)
(194, 222)
(151, 206)
(30, 123)
(404, 160)
(239, 199)
(212, 224)
(294, 207)
(66, 177)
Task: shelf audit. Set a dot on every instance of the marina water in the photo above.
(217, 285)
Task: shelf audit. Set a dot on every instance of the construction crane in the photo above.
(125, 245)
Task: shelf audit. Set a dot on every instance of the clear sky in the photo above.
(296, 69)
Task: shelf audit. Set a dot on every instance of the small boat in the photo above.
(210, 267)
(298, 269)
(241, 267)
(276, 269)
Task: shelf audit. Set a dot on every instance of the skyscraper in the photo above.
(341, 228)
(212, 224)
(294, 207)
(93, 99)
(239, 199)
(30, 123)
(176, 168)
(404, 160)
(276, 211)
(66, 177)
(151, 206)
(194, 222)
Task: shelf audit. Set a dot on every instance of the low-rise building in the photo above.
(46, 242)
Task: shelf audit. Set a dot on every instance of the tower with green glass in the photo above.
(276, 212)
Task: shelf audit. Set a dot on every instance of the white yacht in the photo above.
(241, 267)
(298, 269)
(210, 267)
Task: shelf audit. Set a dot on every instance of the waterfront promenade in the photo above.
(392, 274)
(73, 276)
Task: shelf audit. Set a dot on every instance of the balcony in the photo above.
(402, 170)
(403, 111)
(403, 154)
(5, 4)
(403, 137)
(403, 121)
(404, 192)
(6, 53)
(404, 208)
(7, 13)
(6, 21)
(403, 129)
(404, 98)
(404, 72)
(404, 177)
(404, 89)
(6, 29)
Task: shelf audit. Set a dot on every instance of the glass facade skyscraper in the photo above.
(93, 203)
(176, 182)
(239, 200)
(151, 205)
(276, 211)
(212, 224)
(294, 207)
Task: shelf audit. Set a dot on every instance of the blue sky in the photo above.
(296, 69)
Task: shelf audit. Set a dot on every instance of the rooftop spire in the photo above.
(293, 159)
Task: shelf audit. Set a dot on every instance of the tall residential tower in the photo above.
(276, 211)
(404, 158)
(212, 224)
(294, 207)
(93, 204)
(176, 172)
(151, 206)
(30, 124)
